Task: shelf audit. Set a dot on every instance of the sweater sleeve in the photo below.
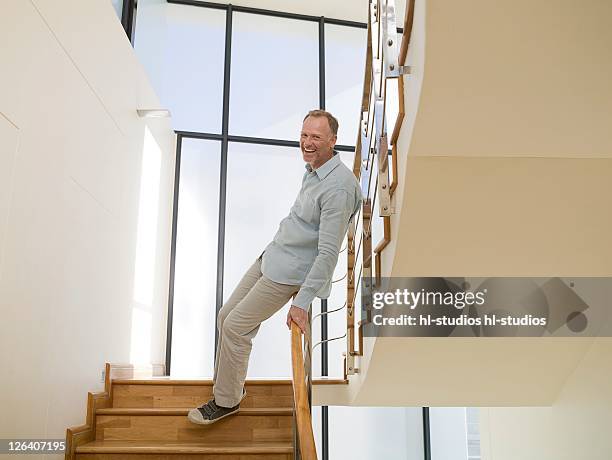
(336, 212)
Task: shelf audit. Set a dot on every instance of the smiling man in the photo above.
(298, 263)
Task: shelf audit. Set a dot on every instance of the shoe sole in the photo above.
(210, 422)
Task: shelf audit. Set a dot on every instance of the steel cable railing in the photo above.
(384, 61)
(356, 257)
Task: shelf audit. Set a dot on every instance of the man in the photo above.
(299, 262)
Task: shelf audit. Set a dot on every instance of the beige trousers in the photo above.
(254, 300)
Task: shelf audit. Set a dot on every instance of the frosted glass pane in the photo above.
(182, 50)
(345, 49)
(118, 6)
(391, 104)
(262, 183)
(473, 432)
(274, 78)
(448, 433)
(365, 433)
(316, 412)
(193, 326)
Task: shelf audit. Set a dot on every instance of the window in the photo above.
(274, 77)
(195, 275)
(345, 53)
(118, 6)
(182, 49)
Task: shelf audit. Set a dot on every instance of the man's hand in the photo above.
(298, 316)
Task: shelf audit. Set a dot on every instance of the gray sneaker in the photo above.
(210, 412)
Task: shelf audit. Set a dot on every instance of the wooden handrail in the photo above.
(303, 417)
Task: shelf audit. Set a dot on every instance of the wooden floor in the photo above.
(146, 419)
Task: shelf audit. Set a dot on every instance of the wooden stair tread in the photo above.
(140, 416)
(164, 380)
(186, 447)
(329, 381)
(184, 411)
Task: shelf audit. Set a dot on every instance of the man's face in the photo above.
(317, 141)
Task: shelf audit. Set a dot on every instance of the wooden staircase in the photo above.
(146, 418)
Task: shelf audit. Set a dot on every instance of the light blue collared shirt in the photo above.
(305, 249)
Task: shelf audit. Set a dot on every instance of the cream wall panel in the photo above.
(492, 217)
(15, 84)
(576, 426)
(506, 217)
(9, 140)
(517, 78)
(505, 170)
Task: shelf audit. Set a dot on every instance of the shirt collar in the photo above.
(327, 167)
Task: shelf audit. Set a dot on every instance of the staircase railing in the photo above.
(374, 162)
(304, 443)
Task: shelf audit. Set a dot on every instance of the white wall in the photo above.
(85, 211)
(576, 426)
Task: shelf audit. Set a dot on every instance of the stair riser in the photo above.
(190, 396)
(120, 456)
(179, 428)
